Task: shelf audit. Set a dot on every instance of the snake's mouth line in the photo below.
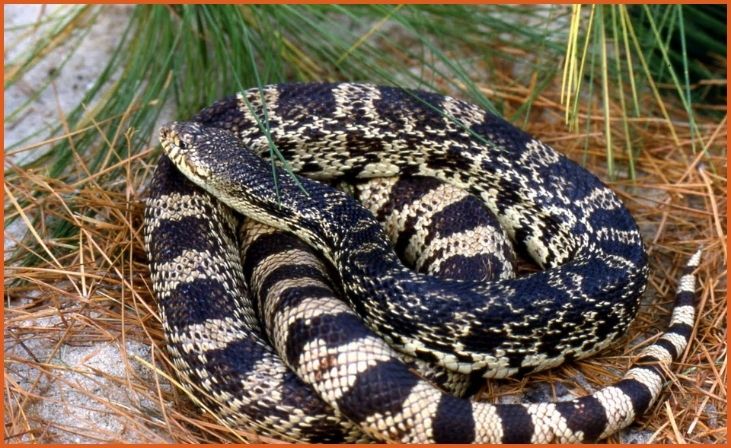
(170, 143)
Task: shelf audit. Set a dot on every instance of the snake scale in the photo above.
(331, 378)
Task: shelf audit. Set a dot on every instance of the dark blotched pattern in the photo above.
(556, 212)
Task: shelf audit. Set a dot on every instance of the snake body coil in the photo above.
(564, 218)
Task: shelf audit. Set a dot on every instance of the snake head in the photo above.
(190, 146)
(213, 158)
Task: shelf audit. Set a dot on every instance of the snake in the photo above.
(327, 369)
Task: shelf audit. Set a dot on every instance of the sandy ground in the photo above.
(94, 369)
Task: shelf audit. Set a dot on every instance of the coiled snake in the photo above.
(563, 217)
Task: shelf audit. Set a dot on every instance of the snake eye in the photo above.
(187, 140)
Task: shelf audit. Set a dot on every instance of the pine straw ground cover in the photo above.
(96, 303)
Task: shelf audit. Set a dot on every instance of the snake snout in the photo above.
(182, 134)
